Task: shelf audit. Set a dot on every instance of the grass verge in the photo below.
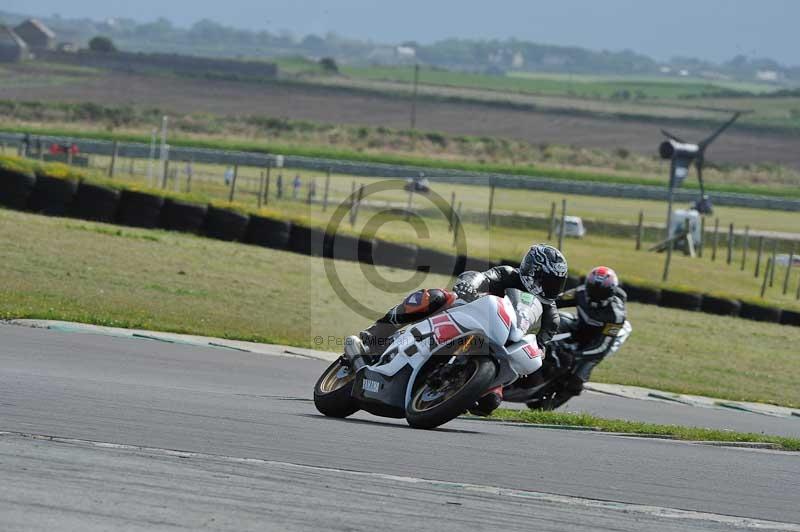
(675, 432)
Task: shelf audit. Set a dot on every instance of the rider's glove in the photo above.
(465, 291)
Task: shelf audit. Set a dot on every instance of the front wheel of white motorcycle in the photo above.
(448, 390)
(332, 393)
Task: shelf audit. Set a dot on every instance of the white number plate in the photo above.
(371, 386)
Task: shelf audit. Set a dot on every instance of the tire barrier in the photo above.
(139, 209)
(96, 203)
(224, 224)
(514, 263)
(308, 241)
(755, 312)
(347, 247)
(573, 281)
(789, 317)
(680, 300)
(433, 261)
(478, 265)
(268, 232)
(16, 187)
(182, 216)
(52, 196)
(642, 294)
(720, 306)
(395, 255)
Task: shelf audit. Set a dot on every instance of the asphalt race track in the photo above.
(102, 432)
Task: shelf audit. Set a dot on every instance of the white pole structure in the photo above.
(163, 162)
(152, 156)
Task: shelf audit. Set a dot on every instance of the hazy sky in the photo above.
(709, 29)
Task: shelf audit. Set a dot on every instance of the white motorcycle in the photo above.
(436, 369)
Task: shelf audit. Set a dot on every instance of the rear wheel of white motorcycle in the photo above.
(332, 393)
(448, 390)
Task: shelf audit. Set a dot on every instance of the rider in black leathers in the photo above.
(597, 329)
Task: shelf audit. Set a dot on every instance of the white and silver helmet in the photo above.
(543, 271)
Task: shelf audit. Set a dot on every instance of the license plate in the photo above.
(371, 386)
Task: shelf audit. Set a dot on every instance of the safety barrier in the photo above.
(21, 190)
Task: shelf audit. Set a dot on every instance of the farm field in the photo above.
(82, 271)
(584, 86)
(338, 101)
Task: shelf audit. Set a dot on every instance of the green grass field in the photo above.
(598, 87)
(80, 271)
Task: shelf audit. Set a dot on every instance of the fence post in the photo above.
(358, 204)
(552, 226)
(233, 183)
(166, 169)
(491, 205)
(353, 203)
(451, 225)
(266, 188)
(788, 270)
(327, 188)
(562, 228)
(797, 295)
(716, 239)
(457, 224)
(766, 277)
(702, 243)
(640, 231)
(409, 203)
(745, 246)
(730, 244)
(261, 180)
(112, 166)
(189, 175)
(758, 256)
(774, 254)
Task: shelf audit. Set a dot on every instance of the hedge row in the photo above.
(22, 189)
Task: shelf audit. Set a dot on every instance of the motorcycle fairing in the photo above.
(491, 320)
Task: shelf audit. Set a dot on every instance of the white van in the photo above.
(573, 227)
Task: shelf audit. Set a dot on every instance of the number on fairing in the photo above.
(371, 386)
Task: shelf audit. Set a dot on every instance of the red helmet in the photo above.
(600, 284)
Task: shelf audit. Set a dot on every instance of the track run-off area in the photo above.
(100, 432)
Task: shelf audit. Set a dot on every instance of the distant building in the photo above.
(12, 48)
(36, 35)
(768, 75)
(405, 52)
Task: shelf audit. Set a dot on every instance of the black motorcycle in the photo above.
(549, 387)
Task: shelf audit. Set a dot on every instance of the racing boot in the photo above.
(370, 342)
(488, 403)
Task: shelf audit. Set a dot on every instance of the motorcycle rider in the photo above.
(597, 330)
(542, 272)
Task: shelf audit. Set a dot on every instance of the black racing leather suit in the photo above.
(595, 331)
(496, 281)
